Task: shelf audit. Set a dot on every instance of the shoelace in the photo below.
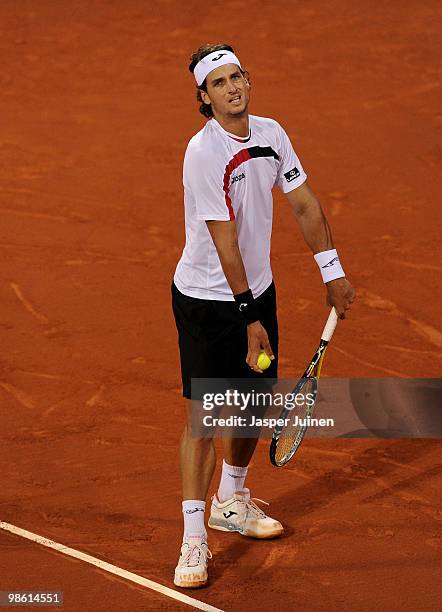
(255, 509)
(192, 556)
(250, 506)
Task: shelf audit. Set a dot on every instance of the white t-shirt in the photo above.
(227, 177)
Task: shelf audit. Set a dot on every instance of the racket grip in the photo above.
(330, 326)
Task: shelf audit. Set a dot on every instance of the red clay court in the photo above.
(97, 107)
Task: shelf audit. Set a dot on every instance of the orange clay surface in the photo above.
(97, 106)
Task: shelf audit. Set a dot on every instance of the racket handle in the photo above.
(330, 326)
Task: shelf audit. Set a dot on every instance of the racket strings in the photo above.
(294, 428)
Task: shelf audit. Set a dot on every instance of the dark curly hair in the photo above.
(206, 109)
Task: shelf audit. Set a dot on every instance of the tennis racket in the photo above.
(288, 436)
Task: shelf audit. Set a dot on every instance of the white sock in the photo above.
(232, 480)
(193, 513)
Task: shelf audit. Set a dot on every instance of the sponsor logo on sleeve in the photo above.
(291, 175)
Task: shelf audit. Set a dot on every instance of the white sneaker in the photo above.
(241, 514)
(191, 571)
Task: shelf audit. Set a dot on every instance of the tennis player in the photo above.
(223, 294)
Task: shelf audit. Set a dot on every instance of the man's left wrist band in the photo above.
(329, 265)
(247, 306)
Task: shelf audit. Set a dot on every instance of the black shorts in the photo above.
(212, 337)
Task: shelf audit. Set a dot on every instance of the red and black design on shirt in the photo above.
(239, 158)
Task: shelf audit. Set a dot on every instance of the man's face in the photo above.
(227, 91)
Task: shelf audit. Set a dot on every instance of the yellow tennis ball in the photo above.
(263, 361)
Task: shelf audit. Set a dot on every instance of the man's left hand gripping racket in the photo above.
(287, 437)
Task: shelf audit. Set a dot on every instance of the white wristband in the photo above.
(329, 265)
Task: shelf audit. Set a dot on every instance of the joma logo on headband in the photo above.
(218, 57)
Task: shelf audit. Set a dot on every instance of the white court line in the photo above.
(108, 567)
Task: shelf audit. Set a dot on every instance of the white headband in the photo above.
(212, 61)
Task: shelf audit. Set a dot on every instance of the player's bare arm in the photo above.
(225, 238)
(317, 234)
